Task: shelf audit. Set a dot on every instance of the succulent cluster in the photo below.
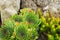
(29, 25)
(51, 26)
(6, 30)
(21, 27)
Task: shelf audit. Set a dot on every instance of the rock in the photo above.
(8, 8)
(53, 8)
(0, 20)
(28, 4)
(42, 3)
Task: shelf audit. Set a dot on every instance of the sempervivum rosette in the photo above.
(17, 18)
(21, 31)
(33, 34)
(7, 30)
(32, 19)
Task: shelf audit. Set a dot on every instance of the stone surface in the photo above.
(54, 9)
(8, 8)
(28, 4)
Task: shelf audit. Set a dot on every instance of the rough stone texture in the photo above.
(42, 3)
(39, 3)
(28, 4)
(8, 8)
(54, 9)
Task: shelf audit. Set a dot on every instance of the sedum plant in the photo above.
(50, 25)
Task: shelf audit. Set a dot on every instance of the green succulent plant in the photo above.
(7, 29)
(32, 19)
(50, 37)
(25, 26)
(33, 34)
(50, 25)
(21, 31)
(26, 10)
(39, 12)
(17, 18)
(58, 29)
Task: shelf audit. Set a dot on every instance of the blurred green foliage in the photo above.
(21, 27)
(28, 24)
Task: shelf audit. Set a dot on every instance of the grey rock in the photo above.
(53, 8)
(42, 3)
(8, 8)
(28, 4)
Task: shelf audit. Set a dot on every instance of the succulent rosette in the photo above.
(7, 30)
(21, 31)
(17, 18)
